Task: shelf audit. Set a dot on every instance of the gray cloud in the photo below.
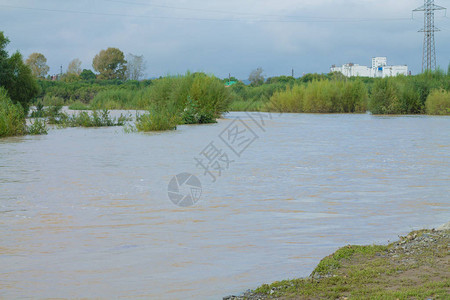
(224, 37)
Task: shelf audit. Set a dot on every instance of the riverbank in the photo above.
(416, 266)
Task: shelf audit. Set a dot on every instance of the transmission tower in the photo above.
(429, 51)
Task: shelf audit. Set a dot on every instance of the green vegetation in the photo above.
(334, 93)
(37, 127)
(438, 103)
(333, 262)
(38, 65)
(39, 112)
(194, 98)
(84, 119)
(323, 96)
(16, 77)
(415, 267)
(12, 119)
(83, 91)
(110, 63)
(157, 120)
(406, 95)
(78, 105)
(241, 105)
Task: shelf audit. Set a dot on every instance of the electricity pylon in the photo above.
(429, 51)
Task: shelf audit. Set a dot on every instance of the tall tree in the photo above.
(16, 77)
(74, 67)
(38, 64)
(110, 63)
(135, 66)
(256, 77)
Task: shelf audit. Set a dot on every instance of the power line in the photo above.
(232, 12)
(324, 20)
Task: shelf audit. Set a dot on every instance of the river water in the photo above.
(86, 213)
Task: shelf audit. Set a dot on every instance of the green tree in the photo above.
(16, 77)
(4, 64)
(110, 63)
(87, 75)
(38, 64)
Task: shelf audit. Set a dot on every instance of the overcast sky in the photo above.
(222, 37)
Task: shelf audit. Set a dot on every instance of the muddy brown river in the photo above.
(85, 213)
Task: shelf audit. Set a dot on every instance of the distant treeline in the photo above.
(312, 93)
(333, 93)
(84, 91)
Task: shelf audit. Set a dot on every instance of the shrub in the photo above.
(114, 99)
(438, 103)
(93, 119)
(385, 97)
(38, 126)
(157, 120)
(12, 117)
(52, 101)
(317, 97)
(321, 97)
(39, 112)
(207, 100)
(290, 100)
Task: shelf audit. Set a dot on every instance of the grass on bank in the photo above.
(396, 271)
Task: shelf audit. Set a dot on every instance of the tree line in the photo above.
(110, 64)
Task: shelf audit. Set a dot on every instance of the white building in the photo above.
(379, 69)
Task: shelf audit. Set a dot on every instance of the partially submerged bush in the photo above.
(157, 120)
(85, 119)
(207, 100)
(12, 117)
(191, 99)
(38, 126)
(39, 112)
